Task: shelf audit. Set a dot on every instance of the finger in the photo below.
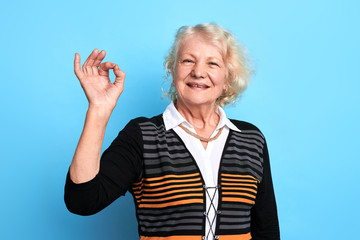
(92, 53)
(96, 63)
(77, 66)
(119, 77)
(104, 68)
(99, 58)
(87, 67)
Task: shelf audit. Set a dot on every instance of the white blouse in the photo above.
(208, 160)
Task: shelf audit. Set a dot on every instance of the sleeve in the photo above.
(120, 166)
(264, 219)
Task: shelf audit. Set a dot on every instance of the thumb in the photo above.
(104, 68)
(119, 77)
(77, 66)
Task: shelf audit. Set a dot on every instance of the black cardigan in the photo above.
(155, 166)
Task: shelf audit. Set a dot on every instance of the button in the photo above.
(216, 237)
(204, 186)
(203, 237)
(218, 211)
(205, 213)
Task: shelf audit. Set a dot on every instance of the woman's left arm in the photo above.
(264, 219)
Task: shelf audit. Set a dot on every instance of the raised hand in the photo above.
(94, 79)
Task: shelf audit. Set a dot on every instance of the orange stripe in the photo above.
(172, 238)
(174, 197)
(232, 199)
(240, 184)
(162, 205)
(239, 176)
(137, 183)
(173, 186)
(238, 180)
(170, 192)
(171, 181)
(237, 193)
(235, 237)
(135, 188)
(138, 192)
(239, 189)
(184, 237)
(171, 176)
(139, 195)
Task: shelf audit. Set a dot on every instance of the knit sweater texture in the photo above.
(169, 192)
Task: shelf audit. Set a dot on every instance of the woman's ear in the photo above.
(172, 72)
(226, 86)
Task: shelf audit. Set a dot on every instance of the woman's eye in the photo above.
(188, 62)
(214, 64)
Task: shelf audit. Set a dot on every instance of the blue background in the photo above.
(304, 97)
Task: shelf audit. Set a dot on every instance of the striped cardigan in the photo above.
(168, 188)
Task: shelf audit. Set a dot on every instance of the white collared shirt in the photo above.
(208, 160)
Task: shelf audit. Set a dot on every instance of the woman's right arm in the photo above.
(102, 96)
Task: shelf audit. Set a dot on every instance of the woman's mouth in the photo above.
(197, 85)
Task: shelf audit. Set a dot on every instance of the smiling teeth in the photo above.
(197, 85)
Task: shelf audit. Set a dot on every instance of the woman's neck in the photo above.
(201, 117)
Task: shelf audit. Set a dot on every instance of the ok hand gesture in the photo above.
(95, 81)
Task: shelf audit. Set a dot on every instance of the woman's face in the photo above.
(200, 72)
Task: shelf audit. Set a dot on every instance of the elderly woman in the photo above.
(194, 173)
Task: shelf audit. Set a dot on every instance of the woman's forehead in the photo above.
(196, 43)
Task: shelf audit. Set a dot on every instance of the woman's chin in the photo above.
(197, 101)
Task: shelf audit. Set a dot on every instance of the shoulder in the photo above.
(137, 125)
(247, 128)
(157, 120)
(242, 125)
(134, 130)
(141, 121)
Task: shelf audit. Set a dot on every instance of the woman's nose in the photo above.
(199, 71)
